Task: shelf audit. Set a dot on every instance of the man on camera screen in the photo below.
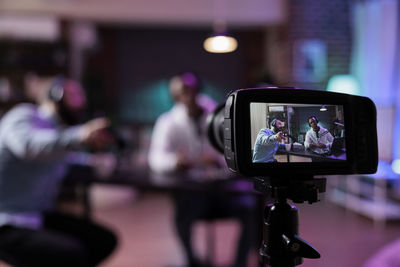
(268, 142)
(318, 139)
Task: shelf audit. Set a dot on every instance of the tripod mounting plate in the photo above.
(298, 190)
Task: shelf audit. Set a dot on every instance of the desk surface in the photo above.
(142, 178)
(315, 156)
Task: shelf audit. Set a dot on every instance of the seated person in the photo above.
(268, 141)
(36, 142)
(180, 145)
(318, 139)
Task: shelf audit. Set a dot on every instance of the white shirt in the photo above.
(324, 137)
(176, 133)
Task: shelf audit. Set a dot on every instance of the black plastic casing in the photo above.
(359, 119)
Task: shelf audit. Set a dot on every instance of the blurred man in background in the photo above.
(36, 143)
(179, 145)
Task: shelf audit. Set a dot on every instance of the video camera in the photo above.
(234, 128)
(283, 137)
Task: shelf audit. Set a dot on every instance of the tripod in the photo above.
(282, 247)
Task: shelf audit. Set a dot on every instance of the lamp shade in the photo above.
(220, 43)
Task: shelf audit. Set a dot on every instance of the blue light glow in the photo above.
(344, 83)
(396, 166)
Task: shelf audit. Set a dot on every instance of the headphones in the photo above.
(56, 91)
(312, 117)
(273, 123)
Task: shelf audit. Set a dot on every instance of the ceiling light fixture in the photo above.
(323, 108)
(220, 41)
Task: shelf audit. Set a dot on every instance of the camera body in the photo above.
(248, 112)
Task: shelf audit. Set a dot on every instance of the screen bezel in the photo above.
(242, 132)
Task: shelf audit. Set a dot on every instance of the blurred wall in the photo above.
(156, 12)
(317, 33)
(376, 65)
(136, 64)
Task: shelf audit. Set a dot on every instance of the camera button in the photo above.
(227, 129)
(230, 159)
(228, 107)
(228, 145)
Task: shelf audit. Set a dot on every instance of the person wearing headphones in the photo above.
(36, 143)
(268, 141)
(318, 139)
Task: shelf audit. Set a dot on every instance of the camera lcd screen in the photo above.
(289, 132)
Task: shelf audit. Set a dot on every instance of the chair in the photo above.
(211, 219)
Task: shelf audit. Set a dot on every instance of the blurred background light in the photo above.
(343, 83)
(29, 27)
(220, 41)
(220, 44)
(396, 166)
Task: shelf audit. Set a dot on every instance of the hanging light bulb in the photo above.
(220, 41)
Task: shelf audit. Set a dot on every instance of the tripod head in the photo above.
(299, 190)
(282, 247)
